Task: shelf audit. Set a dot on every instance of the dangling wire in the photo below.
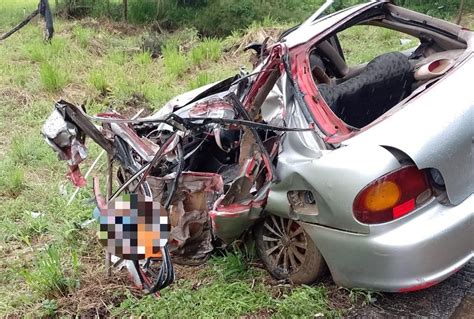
(174, 186)
(165, 275)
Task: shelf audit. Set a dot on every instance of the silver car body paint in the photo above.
(309, 29)
(422, 248)
(435, 129)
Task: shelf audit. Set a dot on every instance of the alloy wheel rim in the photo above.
(285, 243)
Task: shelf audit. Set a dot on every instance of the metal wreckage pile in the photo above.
(207, 158)
(192, 177)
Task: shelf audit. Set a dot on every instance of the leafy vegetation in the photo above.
(207, 16)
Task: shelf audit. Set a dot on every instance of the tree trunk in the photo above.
(125, 10)
(108, 8)
(460, 12)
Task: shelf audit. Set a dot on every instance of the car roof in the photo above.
(309, 29)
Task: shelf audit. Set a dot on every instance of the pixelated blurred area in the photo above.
(134, 227)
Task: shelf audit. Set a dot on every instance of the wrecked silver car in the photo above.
(364, 170)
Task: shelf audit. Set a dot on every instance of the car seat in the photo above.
(384, 82)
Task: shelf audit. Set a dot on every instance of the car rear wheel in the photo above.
(287, 251)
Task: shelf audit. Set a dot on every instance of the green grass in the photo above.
(200, 80)
(82, 35)
(39, 233)
(30, 150)
(236, 290)
(175, 62)
(52, 77)
(143, 58)
(362, 43)
(219, 299)
(48, 279)
(117, 57)
(98, 80)
(207, 50)
(12, 179)
(310, 302)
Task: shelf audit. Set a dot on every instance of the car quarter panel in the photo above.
(414, 254)
(435, 130)
(335, 179)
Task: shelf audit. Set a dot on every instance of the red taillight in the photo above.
(392, 196)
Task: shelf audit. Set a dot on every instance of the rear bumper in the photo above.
(412, 253)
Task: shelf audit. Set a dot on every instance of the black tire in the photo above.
(287, 251)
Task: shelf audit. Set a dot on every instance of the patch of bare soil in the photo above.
(262, 314)
(134, 104)
(75, 93)
(258, 35)
(16, 96)
(113, 27)
(187, 272)
(97, 292)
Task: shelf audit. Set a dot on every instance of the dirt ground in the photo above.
(452, 298)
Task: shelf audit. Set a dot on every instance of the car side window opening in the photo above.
(362, 43)
(362, 83)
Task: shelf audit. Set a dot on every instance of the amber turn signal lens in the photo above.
(392, 196)
(382, 196)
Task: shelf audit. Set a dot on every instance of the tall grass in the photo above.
(48, 278)
(221, 17)
(12, 179)
(52, 77)
(175, 62)
(208, 50)
(98, 80)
